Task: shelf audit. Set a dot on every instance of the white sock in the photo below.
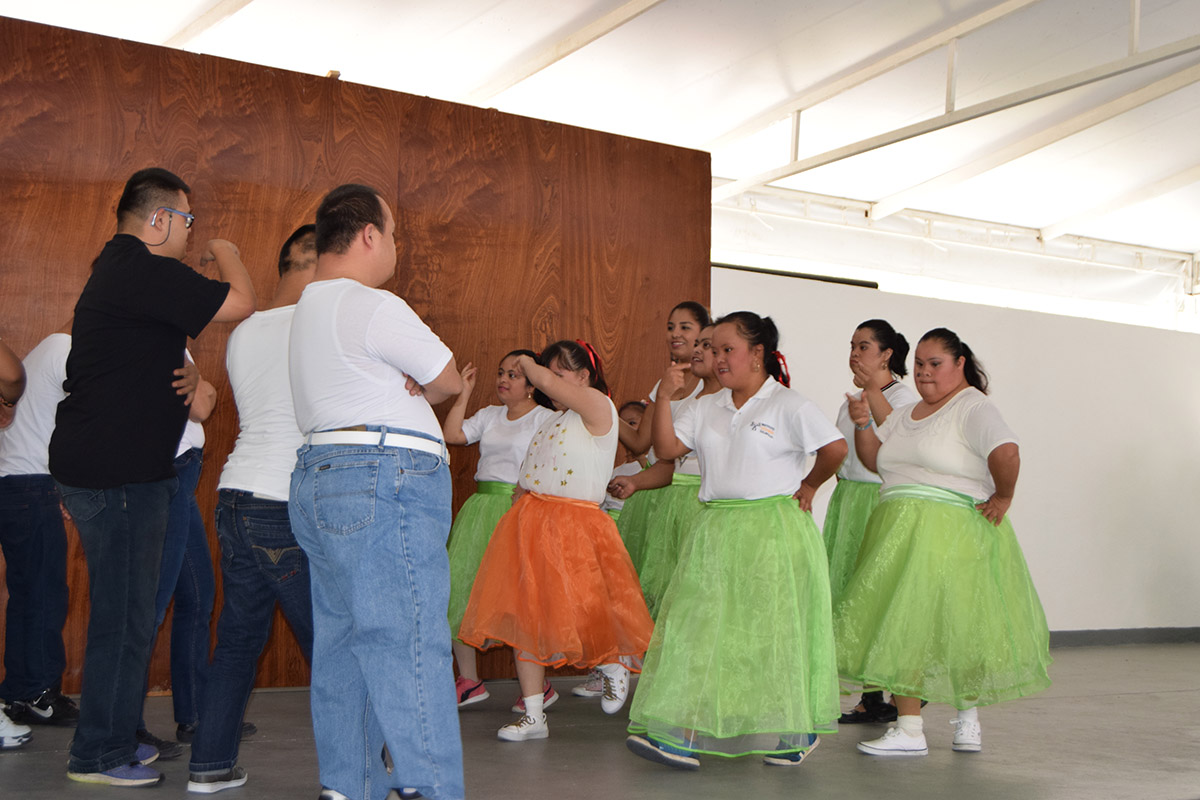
(969, 714)
(912, 724)
(533, 706)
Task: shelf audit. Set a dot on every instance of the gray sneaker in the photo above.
(202, 783)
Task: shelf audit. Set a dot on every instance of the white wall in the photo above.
(1109, 420)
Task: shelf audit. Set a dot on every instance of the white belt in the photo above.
(373, 437)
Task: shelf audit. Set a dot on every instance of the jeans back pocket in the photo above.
(344, 495)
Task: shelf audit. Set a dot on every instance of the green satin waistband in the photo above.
(762, 501)
(494, 487)
(684, 480)
(919, 491)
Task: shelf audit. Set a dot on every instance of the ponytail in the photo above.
(888, 338)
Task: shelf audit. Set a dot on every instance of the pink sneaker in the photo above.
(549, 698)
(469, 691)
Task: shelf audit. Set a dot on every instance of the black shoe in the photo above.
(185, 733)
(208, 784)
(166, 750)
(873, 710)
(51, 707)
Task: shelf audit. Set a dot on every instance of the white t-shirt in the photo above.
(615, 503)
(351, 349)
(758, 450)
(503, 442)
(566, 461)
(898, 396)
(948, 449)
(24, 448)
(193, 432)
(265, 452)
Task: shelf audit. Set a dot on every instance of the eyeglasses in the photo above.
(188, 219)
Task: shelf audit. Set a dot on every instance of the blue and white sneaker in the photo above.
(125, 775)
(12, 734)
(808, 743)
(661, 753)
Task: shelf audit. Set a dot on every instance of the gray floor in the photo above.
(1119, 722)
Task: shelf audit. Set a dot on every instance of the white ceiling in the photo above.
(705, 74)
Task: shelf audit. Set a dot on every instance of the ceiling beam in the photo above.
(1011, 100)
(1140, 195)
(835, 86)
(1043, 138)
(213, 15)
(569, 44)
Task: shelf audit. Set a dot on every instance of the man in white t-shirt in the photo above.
(370, 505)
(261, 564)
(35, 551)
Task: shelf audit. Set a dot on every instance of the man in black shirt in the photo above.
(114, 444)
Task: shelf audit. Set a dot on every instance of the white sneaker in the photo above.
(524, 729)
(592, 687)
(12, 735)
(895, 743)
(616, 687)
(968, 736)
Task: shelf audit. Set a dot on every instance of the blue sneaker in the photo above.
(661, 753)
(125, 775)
(796, 758)
(146, 754)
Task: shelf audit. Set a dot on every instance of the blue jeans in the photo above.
(374, 522)
(35, 555)
(122, 531)
(261, 564)
(187, 575)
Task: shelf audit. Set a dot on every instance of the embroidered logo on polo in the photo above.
(763, 428)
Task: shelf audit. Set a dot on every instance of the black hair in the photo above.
(306, 237)
(761, 330)
(888, 338)
(638, 404)
(956, 347)
(520, 352)
(343, 213)
(146, 190)
(572, 356)
(696, 310)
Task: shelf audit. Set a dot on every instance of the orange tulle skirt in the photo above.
(557, 585)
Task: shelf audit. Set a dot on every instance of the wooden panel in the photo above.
(513, 232)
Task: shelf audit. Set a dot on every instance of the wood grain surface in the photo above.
(512, 232)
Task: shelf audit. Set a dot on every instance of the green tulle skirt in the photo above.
(469, 537)
(637, 515)
(941, 605)
(675, 512)
(742, 657)
(845, 523)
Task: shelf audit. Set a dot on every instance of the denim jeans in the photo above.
(35, 554)
(261, 564)
(187, 575)
(122, 531)
(374, 522)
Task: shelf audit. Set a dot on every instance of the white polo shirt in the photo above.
(24, 447)
(351, 350)
(256, 359)
(503, 442)
(948, 449)
(898, 395)
(758, 450)
(688, 465)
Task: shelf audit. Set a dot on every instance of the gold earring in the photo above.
(755, 365)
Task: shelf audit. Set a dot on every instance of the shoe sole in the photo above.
(644, 748)
(871, 751)
(212, 788)
(13, 742)
(966, 748)
(522, 737)
(97, 777)
(780, 761)
(579, 691)
(473, 699)
(608, 708)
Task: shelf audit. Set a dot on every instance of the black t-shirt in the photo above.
(121, 421)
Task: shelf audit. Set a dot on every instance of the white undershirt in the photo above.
(351, 350)
(193, 432)
(758, 450)
(265, 451)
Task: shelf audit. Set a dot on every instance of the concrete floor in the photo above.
(1119, 722)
